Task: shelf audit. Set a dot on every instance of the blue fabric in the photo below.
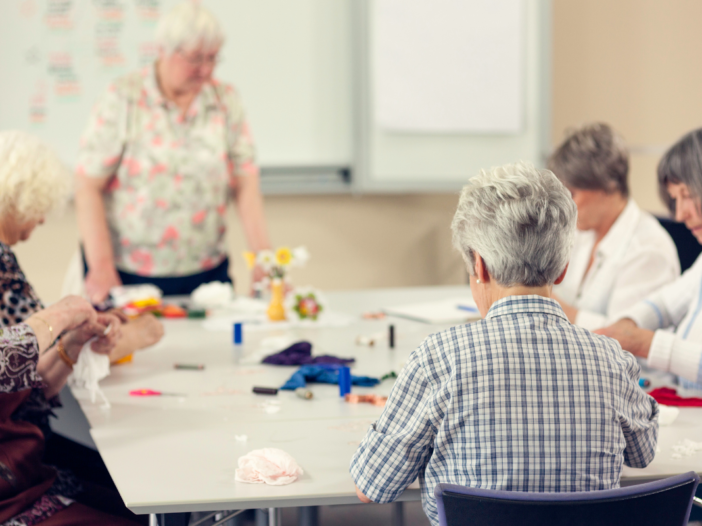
(323, 374)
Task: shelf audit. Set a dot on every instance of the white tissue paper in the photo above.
(90, 368)
(268, 466)
(667, 414)
(213, 294)
(125, 294)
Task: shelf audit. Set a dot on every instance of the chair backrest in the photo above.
(667, 501)
(688, 246)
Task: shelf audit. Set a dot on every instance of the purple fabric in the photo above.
(300, 353)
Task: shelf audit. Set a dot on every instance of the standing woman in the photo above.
(164, 149)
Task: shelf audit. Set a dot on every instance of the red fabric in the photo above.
(668, 396)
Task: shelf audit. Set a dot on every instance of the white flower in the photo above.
(266, 258)
(300, 256)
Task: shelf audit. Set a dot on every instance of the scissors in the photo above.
(151, 392)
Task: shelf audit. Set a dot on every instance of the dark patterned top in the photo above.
(18, 300)
(19, 354)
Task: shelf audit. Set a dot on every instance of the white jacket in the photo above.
(634, 259)
(676, 305)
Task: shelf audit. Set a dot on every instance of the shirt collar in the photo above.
(206, 99)
(531, 303)
(621, 231)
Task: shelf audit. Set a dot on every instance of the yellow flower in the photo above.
(283, 256)
(250, 258)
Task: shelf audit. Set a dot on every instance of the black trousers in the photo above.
(176, 285)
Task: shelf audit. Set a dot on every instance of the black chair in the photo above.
(663, 502)
(688, 246)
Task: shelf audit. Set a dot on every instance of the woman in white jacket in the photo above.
(621, 253)
(643, 330)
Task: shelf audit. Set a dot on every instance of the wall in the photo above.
(635, 65)
(355, 242)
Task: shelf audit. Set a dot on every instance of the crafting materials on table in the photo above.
(644, 382)
(265, 390)
(389, 376)
(190, 366)
(324, 374)
(373, 315)
(468, 308)
(438, 312)
(378, 400)
(391, 336)
(300, 353)
(238, 333)
(268, 466)
(303, 393)
(369, 341)
(668, 396)
(151, 392)
(344, 381)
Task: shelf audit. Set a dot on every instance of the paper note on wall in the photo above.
(449, 65)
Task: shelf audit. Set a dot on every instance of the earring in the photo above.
(478, 281)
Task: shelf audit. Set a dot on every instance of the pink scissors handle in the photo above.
(144, 392)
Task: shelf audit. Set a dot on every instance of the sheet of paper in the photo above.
(449, 65)
(453, 310)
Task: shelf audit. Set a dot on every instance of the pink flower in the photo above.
(161, 203)
(199, 217)
(158, 140)
(170, 234)
(143, 260)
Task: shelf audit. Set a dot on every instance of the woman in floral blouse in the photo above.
(164, 149)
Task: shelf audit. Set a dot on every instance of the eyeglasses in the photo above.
(198, 60)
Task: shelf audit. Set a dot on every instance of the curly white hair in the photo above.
(33, 181)
(189, 26)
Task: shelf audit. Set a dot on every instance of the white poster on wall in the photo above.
(451, 66)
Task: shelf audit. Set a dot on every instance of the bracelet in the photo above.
(51, 329)
(63, 354)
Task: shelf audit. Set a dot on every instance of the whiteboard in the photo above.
(291, 61)
(392, 160)
(449, 65)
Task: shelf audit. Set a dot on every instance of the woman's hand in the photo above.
(99, 281)
(74, 340)
(631, 337)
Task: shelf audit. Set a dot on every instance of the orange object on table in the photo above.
(126, 359)
(173, 311)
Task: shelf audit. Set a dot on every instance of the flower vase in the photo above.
(276, 309)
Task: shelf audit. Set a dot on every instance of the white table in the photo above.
(178, 454)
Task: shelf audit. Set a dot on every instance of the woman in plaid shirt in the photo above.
(522, 400)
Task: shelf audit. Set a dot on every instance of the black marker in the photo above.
(265, 390)
(391, 336)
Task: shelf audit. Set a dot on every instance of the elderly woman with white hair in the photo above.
(164, 149)
(522, 400)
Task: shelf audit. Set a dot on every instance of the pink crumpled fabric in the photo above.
(268, 466)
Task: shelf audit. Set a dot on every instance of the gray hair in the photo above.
(593, 157)
(682, 163)
(520, 220)
(188, 26)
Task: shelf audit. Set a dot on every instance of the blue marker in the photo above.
(344, 381)
(238, 334)
(467, 308)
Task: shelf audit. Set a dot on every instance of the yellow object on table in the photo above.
(276, 309)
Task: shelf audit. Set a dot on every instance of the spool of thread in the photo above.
(238, 333)
(304, 393)
(644, 382)
(265, 390)
(344, 381)
(391, 336)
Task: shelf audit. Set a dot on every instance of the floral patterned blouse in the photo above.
(169, 172)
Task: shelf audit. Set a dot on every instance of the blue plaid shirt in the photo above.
(520, 401)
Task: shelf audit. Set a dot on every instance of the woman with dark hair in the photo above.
(621, 253)
(642, 330)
